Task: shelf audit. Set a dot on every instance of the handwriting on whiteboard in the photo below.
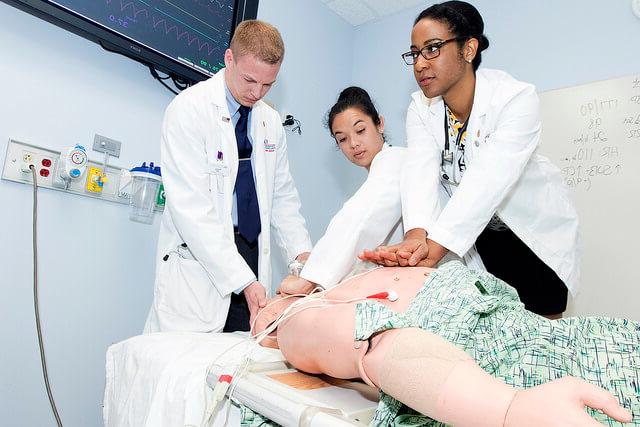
(607, 128)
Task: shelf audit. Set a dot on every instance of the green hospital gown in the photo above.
(483, 315)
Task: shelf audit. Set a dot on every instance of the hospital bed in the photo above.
(167, 380)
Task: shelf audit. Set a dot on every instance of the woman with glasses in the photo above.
(472, 176)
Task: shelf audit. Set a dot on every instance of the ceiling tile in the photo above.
(354, 12)
(387, 7)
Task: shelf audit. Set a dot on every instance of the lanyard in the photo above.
(447, 153)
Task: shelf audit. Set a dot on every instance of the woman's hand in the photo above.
(561, 403)
(415, 251)
(294, 285)
(383, 255)
(303, 257)
(435, 253)
(415, 243)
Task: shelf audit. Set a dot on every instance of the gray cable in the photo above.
(43, 359)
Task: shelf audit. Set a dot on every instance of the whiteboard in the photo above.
(592, 133)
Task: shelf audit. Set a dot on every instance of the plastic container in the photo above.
(145, 183)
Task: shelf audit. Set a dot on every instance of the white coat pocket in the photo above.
(186, 295)
(218, 174)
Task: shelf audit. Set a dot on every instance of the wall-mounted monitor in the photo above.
(185, 39)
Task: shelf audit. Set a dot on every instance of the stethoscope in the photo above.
(447, 156)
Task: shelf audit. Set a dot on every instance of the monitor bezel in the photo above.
(115, 42)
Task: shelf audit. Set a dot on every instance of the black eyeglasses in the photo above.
(430, 51)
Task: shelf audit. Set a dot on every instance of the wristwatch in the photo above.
(295, 267)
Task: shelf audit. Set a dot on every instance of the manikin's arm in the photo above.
(435, 378)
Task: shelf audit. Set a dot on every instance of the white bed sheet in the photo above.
(159, 380)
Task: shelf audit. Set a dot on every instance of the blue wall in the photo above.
(96, 266)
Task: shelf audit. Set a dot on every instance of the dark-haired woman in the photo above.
(372, 214)
(472, 175)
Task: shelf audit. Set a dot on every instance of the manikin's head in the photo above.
(252, 61)
(356, 126)
(268, 315)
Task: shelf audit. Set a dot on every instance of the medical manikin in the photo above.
(448, 343)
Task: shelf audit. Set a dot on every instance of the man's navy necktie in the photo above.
(245, 188)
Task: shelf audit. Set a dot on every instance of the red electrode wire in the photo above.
(379, 295)
(391, 296)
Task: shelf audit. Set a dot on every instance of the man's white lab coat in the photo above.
(199, 164)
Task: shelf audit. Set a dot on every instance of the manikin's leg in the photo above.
(435, 378)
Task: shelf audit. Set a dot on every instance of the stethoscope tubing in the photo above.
(446, 155)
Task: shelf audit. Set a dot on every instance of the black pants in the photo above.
(238, 317)
(507, 257)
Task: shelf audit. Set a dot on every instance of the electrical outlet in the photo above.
(27, 161)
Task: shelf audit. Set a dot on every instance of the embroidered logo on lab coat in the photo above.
(268, 147)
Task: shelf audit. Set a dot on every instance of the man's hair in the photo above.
(259, 39)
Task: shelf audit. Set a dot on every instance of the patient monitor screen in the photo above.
(194, 32)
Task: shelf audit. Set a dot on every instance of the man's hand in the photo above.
(256, 299)
(294, 285)
(561, 403)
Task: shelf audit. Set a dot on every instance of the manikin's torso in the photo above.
(321, 339)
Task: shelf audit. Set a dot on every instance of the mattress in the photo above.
(159, 379)
(167, 380)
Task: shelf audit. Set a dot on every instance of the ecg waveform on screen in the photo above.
(172, 26)
(168, 28)
(130, 5)
(211, 6)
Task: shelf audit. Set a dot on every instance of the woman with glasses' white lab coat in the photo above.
(472, 175)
